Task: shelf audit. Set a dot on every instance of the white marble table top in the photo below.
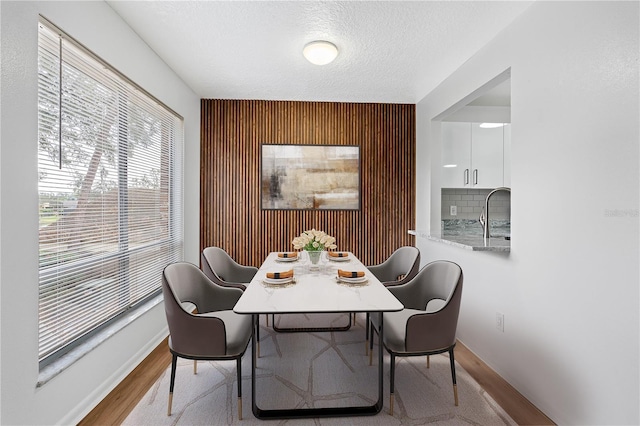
(314, 291)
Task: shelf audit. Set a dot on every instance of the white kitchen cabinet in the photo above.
(456, 154)
(472, 156)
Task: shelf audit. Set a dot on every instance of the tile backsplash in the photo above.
(469, 203)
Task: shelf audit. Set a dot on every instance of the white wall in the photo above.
(69, 396)
(569, 287)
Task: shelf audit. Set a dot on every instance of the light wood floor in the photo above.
(119, 403)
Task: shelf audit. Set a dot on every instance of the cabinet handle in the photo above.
(475, 176)
(466, 176)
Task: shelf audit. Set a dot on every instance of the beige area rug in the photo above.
(317, 370)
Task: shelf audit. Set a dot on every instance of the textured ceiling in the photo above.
(392, 51)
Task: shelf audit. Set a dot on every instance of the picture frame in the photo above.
(310, 177)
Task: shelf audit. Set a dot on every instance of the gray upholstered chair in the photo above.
(213, 331)
(220, 268)
(399, 268)
(427, 324)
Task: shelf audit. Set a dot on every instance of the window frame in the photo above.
(173, 243)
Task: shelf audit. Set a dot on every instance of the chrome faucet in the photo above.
(484, 214)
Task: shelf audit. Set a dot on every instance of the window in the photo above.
(110, 193)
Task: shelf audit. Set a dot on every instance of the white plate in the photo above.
(353, 280)
(287, 259)
(275, 281)
(339, 259)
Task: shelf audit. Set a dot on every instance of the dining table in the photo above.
(314, 289)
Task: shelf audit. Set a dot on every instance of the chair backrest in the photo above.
(441, 279)
(404, 262)
(434, 330)
(218, 266)
(190, 335)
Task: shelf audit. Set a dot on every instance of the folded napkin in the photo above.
(338, 253)
(279, 275)
(289, 254)
(350, 274)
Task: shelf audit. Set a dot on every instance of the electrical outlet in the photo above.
(500, 321)
(453, 210)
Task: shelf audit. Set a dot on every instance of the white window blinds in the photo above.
(110, 193)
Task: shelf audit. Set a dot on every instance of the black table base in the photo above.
(308, 329)
(295, 413)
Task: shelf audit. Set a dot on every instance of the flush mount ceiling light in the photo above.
(320, 52)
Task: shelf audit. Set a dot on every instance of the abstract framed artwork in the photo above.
(310, 177)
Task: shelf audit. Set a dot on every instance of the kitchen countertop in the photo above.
(468, 241)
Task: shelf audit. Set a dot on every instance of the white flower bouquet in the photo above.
(314, 240)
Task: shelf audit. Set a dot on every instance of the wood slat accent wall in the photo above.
(232, 132)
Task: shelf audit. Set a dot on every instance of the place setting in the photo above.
(353, 278)
(286, 257)
(338, 256)
(279, 279)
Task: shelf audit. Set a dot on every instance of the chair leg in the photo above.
(239, 373)
(392, 375)
(267, 319)
(428, 361)
(195, 366)
(453, 376)
(174, 361)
